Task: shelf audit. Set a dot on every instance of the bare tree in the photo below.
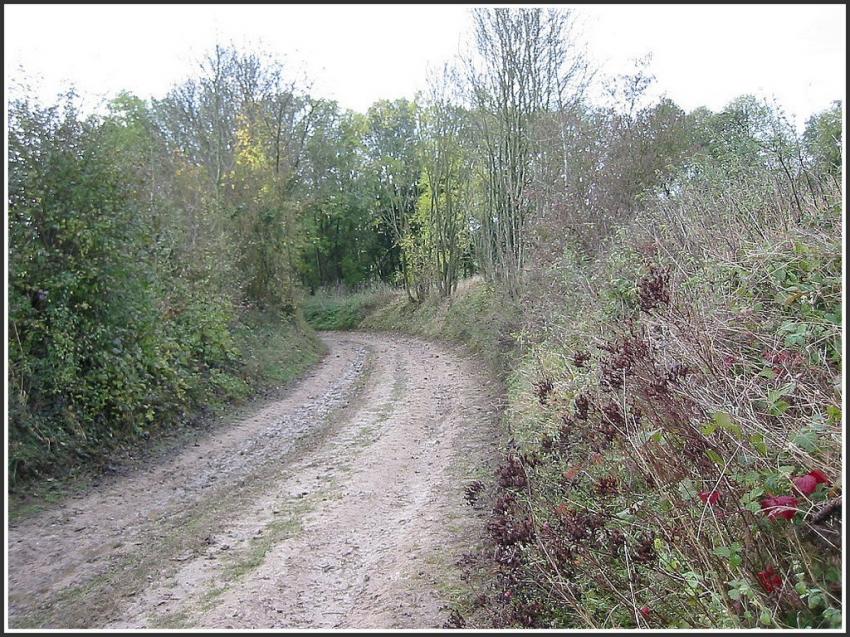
(445, 141)
(390, 142)
(525, 64)
(240, 131)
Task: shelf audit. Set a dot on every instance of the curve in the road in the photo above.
(339, 505)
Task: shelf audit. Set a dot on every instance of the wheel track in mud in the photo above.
(339, 505)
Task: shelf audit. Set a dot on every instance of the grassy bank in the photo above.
(678, 458)
(274, 353)
(268, 353)
(477, 316)
(338, 309)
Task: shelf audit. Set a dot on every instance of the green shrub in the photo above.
(106, 345)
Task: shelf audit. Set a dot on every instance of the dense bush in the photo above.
(85, 343)
(110, 336)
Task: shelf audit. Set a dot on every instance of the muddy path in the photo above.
(340, 505)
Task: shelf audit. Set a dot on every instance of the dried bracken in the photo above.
(507, 530)
(580, 525)
(612, 413)
(607, 486)
(654, 289)
(542, 389)
(512, 473)
(580, 359)
(622, 360)
(644, 552)
(582, 407)
(455, 620)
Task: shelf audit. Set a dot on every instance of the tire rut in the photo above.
(338, 506)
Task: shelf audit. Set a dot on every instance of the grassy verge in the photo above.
(677, 458)
(476, 316)
(336, 309)
(271, 354)
(274, 353)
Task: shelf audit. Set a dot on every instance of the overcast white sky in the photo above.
(702, 55)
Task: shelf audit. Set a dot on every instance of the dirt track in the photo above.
(340, 505)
